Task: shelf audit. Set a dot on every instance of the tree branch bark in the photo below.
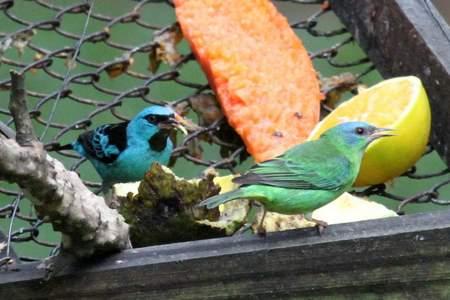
(18, 108)
(87, 224)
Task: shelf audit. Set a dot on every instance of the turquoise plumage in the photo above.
(124, 152)
(308, 175)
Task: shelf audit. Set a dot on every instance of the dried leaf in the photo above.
(70, 63)
(195, 149)
(164, 49)
(344, 80)
(207, 108)
(37, 57)
(21, 40)
(209, 111)
(154, 62)
(182, 108)
(116, 69)
(335, 86)
(188, 124)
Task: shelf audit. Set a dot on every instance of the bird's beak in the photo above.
(171, 123)
(380, 133)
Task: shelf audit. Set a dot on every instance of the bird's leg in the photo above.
(260, 230)
(246, 226)
(251, 217)
(320, 225)
(248, 220)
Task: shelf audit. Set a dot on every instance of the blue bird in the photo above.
(124, 152)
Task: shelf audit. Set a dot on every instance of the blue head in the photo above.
(354, 134)
(152, 122)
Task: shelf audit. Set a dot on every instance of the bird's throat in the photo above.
(158, 141)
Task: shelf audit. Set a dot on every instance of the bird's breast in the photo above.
(133, 163)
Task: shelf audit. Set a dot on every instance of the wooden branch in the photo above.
(391, 257)
(18, 107)
(87, 224)
(406, 37)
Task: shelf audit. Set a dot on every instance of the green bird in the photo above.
(308, 175)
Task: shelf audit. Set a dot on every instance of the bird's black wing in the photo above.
(106, 142)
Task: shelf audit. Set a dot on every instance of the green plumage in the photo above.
(308, 175)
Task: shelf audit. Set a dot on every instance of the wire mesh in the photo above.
(98, 91)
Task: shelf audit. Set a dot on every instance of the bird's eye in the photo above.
(359, 130)
(151, 118)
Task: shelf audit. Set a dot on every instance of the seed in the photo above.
(278, 134)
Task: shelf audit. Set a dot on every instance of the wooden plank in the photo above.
(406, 37)
(401, 256)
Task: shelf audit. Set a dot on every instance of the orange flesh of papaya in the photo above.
(259, 69)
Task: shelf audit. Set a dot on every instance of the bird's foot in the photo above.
(250, 220)
(320, 225)
(243, 229)
(261, 231)
(320, 229)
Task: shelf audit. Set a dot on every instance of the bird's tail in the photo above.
(222, 198)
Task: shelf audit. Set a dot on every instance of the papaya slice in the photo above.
(259, 69)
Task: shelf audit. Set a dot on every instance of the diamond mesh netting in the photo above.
(90, 62)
